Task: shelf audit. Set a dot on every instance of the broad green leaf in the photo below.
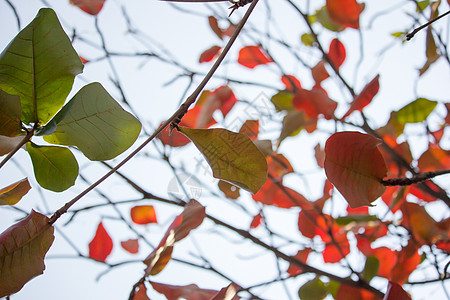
(55, 168)
(10, 112)
(416, 111)
(283, 101)
(232, 156)
(12, 194)
(345, 220)
(355, 166)
(95, 123)
(313, 290)
(370, 268)
(22, 250)
(39, 65)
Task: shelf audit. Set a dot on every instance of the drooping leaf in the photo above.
(12, 194)
(226, 98)
(345, 12)
(10, 112)
(191, 217)
(232, 156)
(365, 97)
(355, 166)
(252, 56)
(25, 71)
(22, 250)
(279, 166)
(313, 290)
(55, 168)
(91, 7)
(101, 245)
(95, 123)
(416, 111)
(336, 243)
(387, 259)
(337, 53)
(319, 154)
(143, 214)
(431, 50)
(396, 292)
(231, 191)
(175, 292)
(130, 245)
(209, 54)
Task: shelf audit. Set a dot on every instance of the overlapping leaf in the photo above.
(10, 112)
(95, 123)
(22, 250)
(232, 156)
(355, 166)
(25, 67)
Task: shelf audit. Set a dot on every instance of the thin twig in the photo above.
(409, 36)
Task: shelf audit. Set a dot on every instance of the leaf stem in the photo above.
(175, 117)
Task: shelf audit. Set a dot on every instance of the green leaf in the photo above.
(313, 290)
(416, 111)
(10, 112)
(55, 168)
(39, 65)
(345, 220)
(371, 268)
(22, 250)
(12, 194)
(283, 101)
(232, 156)
(308, 39)
(95, 123)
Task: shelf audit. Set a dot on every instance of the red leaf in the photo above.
(365, 97)
(314, 103)
(215, 26)
(396, 292)
(319, 154)
(143, 214)
(394, 197)
(302, 255)
(92, 7)
(273, 194)
(319, 72)
(307, 222)
(175, 292)
(252, 56)
(336, 245)
(226, 98)
(256, 221)
(407, 261)
(363, 210)
(131, 245)
(250, 128)
(336, 53)
(101, 245)
(345, 12)
(434, 159)
(387, 259)
(291, 82)
(355, 166)
(209, 54)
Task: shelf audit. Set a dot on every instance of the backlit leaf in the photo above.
(280, 196)
(345, 12)
(319, 72)
(294, 122)
(250, 128)
(370, 268)
(175, 292)
(252, 56)
(143, 214)
(232, 156)
(323, 17)
(291, 82)
(337, 53)
(91, 7)
(365, 97)
(302, 255)
(22, 250)
(433, 159)
(283, 101)
(55, 168)
(396, 292)
(12, 194)
(101, 245)
(313, 290)
(416, 111)
(131, 245)
(209, 54)
(95, 123)
(24, 67)
(355, 166)
(314, 103)
(408, 258)
(10, 112)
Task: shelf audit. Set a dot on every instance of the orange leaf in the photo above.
(143, 214)
(273, 194)
(433, 159)
(365, 97)
(314, 103)
(407, 261)
(101, 245)
(91, 7)
(252, 56)
(387, 259)
(278, 165)
(345, 12)
(191, 291)
(209, 54)
(291, 82)
(214, 25)
(250, 128)
(131, 245)
(336, 53)
(396, 292)
(337, 245)
(355, 166)
(302, 255)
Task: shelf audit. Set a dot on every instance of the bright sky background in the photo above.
(186, 36)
